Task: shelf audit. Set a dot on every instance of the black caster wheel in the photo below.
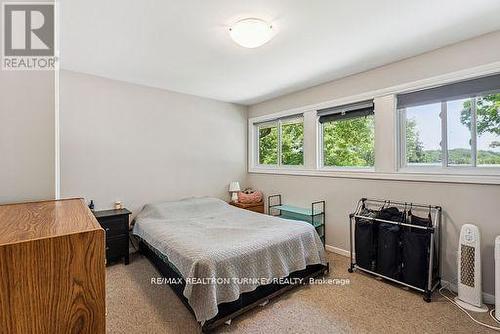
(350, 270)
(327, 271)
(427, 298)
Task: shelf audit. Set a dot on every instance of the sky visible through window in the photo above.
(429, 127)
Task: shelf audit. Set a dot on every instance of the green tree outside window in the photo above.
(349, 142)
(292, 144)
(268, 145)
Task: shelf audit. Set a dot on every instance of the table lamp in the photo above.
(234, 187)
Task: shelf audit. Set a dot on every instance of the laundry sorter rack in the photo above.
(430, 250)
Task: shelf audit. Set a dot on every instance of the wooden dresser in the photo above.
(256, 207)
(51, 268)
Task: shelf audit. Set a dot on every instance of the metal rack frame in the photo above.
(312, 215)
(433, 281)
(269, 206)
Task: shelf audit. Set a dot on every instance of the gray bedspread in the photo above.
(206, 238)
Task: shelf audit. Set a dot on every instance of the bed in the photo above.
(222, 260)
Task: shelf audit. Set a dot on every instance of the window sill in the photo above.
(404, 175)
(282, 167)
(347, 169)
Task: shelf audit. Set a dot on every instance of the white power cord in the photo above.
(493, 317)
(466, 312)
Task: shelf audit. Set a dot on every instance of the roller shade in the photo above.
(288, 118)
(347, 111)
(449, 92)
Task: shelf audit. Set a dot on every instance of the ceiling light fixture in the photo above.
(251, 32)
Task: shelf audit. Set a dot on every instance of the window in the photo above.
(488, 130)
(457, 125)
(423, 135)
(292, 142)
(281, 142)
(348, 135)
(459, 134)
(268, 144)
(447, 133)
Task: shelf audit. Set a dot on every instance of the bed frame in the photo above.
(247, 300)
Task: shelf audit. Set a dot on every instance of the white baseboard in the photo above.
(337, 250)
(488, 298)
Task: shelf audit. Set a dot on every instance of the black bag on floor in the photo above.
(416, 251)
(365, 240)
(389, 243)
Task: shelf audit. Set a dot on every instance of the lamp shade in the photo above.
(251, 32)
(234, 186)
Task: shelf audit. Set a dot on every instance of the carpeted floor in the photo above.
(366, 305)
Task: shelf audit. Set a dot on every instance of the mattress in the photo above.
(222, 251)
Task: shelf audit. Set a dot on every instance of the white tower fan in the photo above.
(497, 278)
(469, 270)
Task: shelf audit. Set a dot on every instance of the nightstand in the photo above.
(116, 225)
(256, 207)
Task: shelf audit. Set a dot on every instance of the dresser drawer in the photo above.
(258, 208)
(114, 226)
(116, 248)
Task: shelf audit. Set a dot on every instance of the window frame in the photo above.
(444, 167)
(279, 123)
(387, 119)
(257, 128)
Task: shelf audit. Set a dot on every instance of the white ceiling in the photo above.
(184, 45)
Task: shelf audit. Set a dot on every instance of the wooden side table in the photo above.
(256, 207)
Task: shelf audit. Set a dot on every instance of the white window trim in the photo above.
(480, 175)
(407, 176)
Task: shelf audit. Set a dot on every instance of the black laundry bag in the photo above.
(365, 240)
(392, 214)
(389, 243)
(388, 252)
(416, 251)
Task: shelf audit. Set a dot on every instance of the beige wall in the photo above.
(462, 203)
(26, 136)
(137, 144)
(27, 103)
(471, 53)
